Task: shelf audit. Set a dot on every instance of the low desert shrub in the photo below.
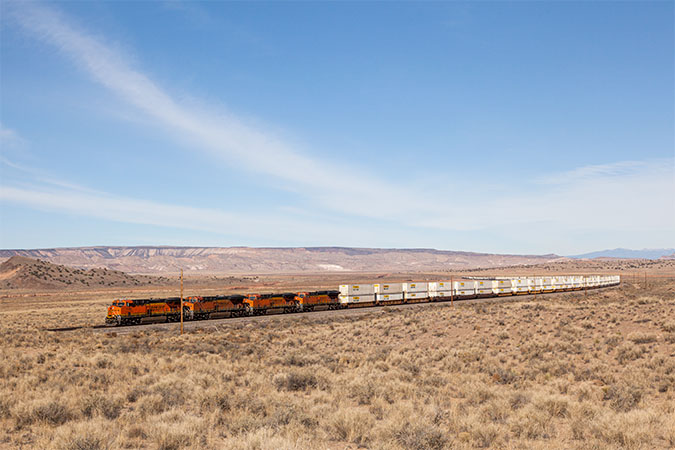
(89, 435)
(532, 423)
(352, 425)
(628, 352)
(623, 397)
(485, 435)
(295, 381)
(631, 430)
(421, 437)
(103, 405)
(51, 412)
(641, 338)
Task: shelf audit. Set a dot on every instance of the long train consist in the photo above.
(131, 312)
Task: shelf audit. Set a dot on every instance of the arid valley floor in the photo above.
(581, 370)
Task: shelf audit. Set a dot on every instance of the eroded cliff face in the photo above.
(157, 260)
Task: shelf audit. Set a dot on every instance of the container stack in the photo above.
(440, 289)
(465, 288)
(415, 292)
(502, 287)
(547, 284)
(520, 286)
(388, 293)
(357, 293)
(483, 288)
(534, 285)
(577, 282)
(559, 283)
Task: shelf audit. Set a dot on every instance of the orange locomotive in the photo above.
(259, 304)
(198, 308)
(309, 300)
(123, 312)
(129, 312)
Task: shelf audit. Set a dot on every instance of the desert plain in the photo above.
(582, 370)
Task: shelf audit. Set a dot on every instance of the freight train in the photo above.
(131, 312)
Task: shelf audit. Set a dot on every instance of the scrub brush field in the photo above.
(574, 370)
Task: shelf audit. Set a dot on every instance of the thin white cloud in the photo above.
(619, 196)
(628, 195)
(350, 189)
(621, 168)
(9, 137)
(114, 208)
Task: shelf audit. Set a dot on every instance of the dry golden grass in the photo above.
(569, 371)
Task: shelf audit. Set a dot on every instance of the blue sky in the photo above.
(528, 127)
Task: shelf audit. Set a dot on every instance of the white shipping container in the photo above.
(388, 288)
(501, 287)
(368, 298)
(465, 288)
(415, 287)
(547, 284)
(484, 287)
(445, 294)
(465, 285)
(440, 286)
(389, 297)
(535, 284)
(519, 282)
(416, 295)
(502, 284)
(356, 289)
(465, 292)
(520, 285)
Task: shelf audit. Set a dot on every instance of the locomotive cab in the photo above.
(116, 311)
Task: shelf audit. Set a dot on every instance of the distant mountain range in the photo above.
(647, 253)
(247, 260)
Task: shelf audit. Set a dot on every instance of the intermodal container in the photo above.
(483, 287)
(502, 286)
(440, 289)
(415, 287)
(356, 289)
(389, 288)
(365, 298)
(383, 298)
(416, 295)
(465, 288)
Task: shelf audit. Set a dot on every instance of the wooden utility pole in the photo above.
(181, 301)
(452, 292)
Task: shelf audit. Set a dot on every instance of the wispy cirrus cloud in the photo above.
(222, 134)
(60, 198)
(596, 171)
(625, 195)
(9, 137)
